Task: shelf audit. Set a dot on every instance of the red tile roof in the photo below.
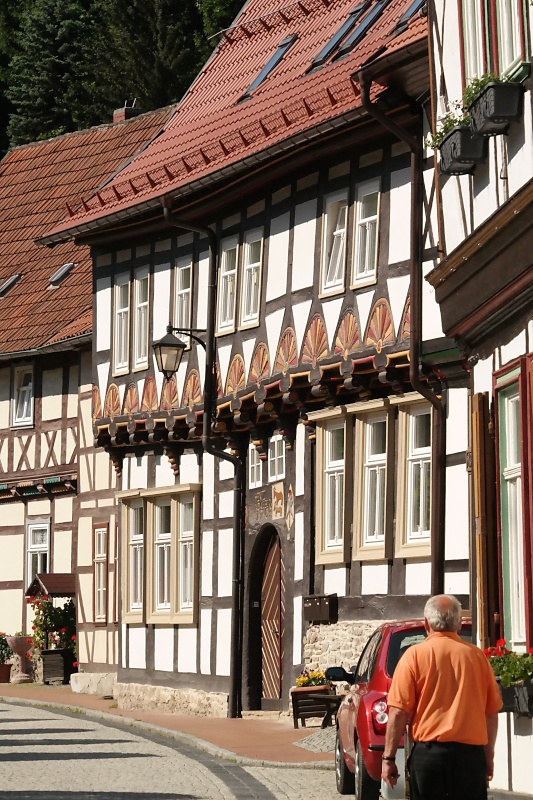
(36, 183)
(212, 131)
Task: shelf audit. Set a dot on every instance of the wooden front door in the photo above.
(272, 624)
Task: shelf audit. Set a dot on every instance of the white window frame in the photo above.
(183, 297)
(100, 533)
(39, 549)
(136, 552)
(366, 273)
(276, 458)
(141, 318)
(509, 36)
(473, 39)
(121, 325)
(374, 464)
(334, 242)
(227, 285)
(251, 278)
(162, 557)
(334, 474)
(255, 468)
(418, 457)
(23, 395)
(186, 580)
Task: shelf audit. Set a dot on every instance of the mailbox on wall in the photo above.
(320, 608)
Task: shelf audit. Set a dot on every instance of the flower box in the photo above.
(460, 151)
(495, 107)
(305, 704)
(508, 697)
(523, 698)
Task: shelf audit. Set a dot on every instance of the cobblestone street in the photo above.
(50, 755)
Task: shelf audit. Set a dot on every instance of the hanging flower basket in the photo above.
(495, 107)
(460, 151)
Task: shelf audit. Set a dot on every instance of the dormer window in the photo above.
(403, 22)
(343, 31)
(274, 60)
(361, 30)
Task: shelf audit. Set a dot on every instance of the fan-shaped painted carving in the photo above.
(315, 344)
(112, 402)
(348, 338)
(192, 393)
(236, 378)
(97, 403)
(150, 401)
(286, 356)
(405, 327)
(169, 395)
(380, 330)
(131, 400)
(218, 379)
(260, 366)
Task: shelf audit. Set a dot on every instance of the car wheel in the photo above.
(344, 778)
(366, 788)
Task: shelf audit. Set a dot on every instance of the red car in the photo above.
(363, 714)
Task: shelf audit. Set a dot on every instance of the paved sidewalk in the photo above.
(247, 741)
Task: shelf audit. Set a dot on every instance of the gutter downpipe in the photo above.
(438, 450)
(235, 691)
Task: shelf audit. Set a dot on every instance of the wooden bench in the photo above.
(307, 705)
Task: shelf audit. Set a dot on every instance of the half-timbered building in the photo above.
(283, 491)
(483, 284)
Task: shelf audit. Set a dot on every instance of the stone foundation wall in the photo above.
(175, 701)
(93, 682)
(338, 645)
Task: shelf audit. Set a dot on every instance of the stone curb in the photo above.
(180, 736)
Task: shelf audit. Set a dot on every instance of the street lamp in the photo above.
(169, 350)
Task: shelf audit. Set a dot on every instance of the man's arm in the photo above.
(492, 730)
(395, 731)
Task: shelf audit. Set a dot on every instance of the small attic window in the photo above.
(403, 22)
(337, 38)
(60, 274)
(360, 32)
(6, 285)
(274, 60)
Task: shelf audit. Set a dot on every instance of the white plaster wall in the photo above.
(281, 195)
(205, 641)
(483, 376)
(62, 551)
(374, 579)
(62, 509)
(248, 347)
(187, 641)
(138, 472)
(519, 149)
(398, 289)
(457, 422)
(99, 646)
(457, 513)
(126, 474)
(39, 508)
(202, 279)
(137, 647)
(72, 399)
(300, 315)
(86, 608)
(161, 311)
(457, 583)
(455, 205)
(501, 754)
(5, 394)
(431, 318)
(298, 546)
(189, 469)
(207, 564)
(297, 630)
(224, 354)
(226, 470)
(208, 486)
(163, 472)
(223, 646)
(400, 211)
(52, 394)
(85, 542)
(11, 610)
(520, 745)
(335, 581)
(11, 560)
(104, 372)
(103, 314)
(274, 322)
(331, 311)
(225, 505)
(12, 515)
(278, 257)
(515, 348)
(123, 648)
(225, 549)
(364, 304)
(102, 468)
(299, 484)
(417, 578)
(484, 184)
(303, 255)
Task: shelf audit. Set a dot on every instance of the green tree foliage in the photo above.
(218, 14)
(11, 13)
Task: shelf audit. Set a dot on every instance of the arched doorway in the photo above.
(266, 630)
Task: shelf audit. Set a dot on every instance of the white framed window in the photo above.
(366, 232)
(334, 451)
(186, 554)
(38, 549)
(136, 556)
(162, 547)
(255, 480)
(140, 334)
(334, 242)
(276, 458)
(22, 405)
(509, 35)
(251, 276)
(473, 36)
(100, 533)
(182, 306)
(227, 285)
(419, 474)
(375, 474)
(121, 352)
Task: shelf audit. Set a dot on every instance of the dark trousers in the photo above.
(448, 771)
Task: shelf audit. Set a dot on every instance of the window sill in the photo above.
(332, 556)
(225, 331)
(118, 373)
(413, 549)
(360, 284)
(368, 552)
(331, 292)
(133, 617)
(18, 425)
(252, 323)
(184, 618)
(140, 367)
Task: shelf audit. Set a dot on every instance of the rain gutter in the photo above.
(60, 347)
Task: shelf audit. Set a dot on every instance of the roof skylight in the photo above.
(337, 38)
(403, 22)
(60, 274)
(6, 285)
(373, 15)
(274, 60)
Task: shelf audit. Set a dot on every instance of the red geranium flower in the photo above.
(29, 641)
(74, 663)
(501, 643)
(62, 630)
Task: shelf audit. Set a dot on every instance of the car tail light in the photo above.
(380, 716)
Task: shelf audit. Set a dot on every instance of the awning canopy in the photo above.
(55, 584)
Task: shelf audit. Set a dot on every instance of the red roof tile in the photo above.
(212, 130)
(36, 183)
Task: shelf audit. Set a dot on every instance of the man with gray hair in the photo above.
(446, 689)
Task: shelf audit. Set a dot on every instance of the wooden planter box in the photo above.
(5, 672)
(58, 665)
(508, 697)
(460, 151)
(304, 707)
(523, 699)
(495, 107)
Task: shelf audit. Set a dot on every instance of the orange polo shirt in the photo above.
(447, 687)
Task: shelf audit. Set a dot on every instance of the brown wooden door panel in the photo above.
(271, 623)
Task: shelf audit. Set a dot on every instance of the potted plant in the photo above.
(492, 104)
(54, 638)
(460, 149)
(6, 653)
(514, 673)
(305, 704)
(20, 644)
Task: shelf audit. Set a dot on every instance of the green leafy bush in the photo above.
(508, 666)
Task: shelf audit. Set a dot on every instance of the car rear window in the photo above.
(403, 640)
